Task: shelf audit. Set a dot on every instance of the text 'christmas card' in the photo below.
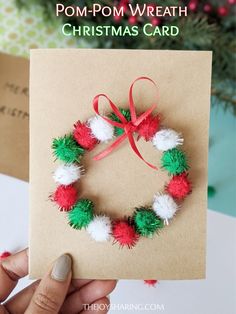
(118, 162)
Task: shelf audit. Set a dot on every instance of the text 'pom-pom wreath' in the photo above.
(119, 125)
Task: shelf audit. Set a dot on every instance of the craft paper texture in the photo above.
(14, 116)
(62, 86)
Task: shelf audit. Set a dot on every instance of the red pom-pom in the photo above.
(4, 255)
(148, 128)
(179, 186)
(124, 233)
(65, 197)
(150, 282)
(83, 135)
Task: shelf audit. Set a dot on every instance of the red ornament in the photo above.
(117, 18)
(207, 8)
(124, 233)
(149, 127)
(65, 197)
(231, 2)
(83, 136)
(151, 5)
(155, 21)
(223, 11)
(179, 186)
(193, 5)
(151, 282)
(132, 20)
(4, 255)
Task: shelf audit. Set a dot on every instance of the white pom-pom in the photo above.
(101, 129)
(164, 206)
(167, 139)
(67, 174)
(100, 228)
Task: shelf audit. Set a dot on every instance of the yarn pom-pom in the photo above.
(151, 282)
(100, 228)
(81, 214)
(67, 174)
(167, 139)
(66, 149)
(65, 197)
(101, 129)
(148, 128)
(146, 222)
(174, 161)
(83, 136)
(164, 206)
(179, 186)
(113, 116)
(4, 255)
(124, 233)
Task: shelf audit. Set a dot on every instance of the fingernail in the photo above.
(61, 268)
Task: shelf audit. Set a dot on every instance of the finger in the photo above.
(79, 283)
(100, 306)
(19, 302)
(88, 294)
(3, 310)
(52, 290)
(12, 269)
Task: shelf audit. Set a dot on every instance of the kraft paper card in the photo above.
(14, 116)
(63, 84)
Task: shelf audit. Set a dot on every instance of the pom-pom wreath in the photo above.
(148, 128)
(164, 206)
(179, 186)
(167, 139)
(67, 174)
(81, 214)
(174, 161)
(83, 136)
(65, 197)
(150, 282)
(101, 129)
(4, 255)
(146, 222)
(100, 228)
(67, 149)
(113, 116)
(124, 233)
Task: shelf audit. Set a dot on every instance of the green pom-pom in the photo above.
(174, 161)
(211, 191)
(67, 149)
(81, 214)
(113, 116)
(146, 222)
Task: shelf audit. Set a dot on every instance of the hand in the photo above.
(55, 293)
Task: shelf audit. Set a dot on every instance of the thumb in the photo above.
(53, 288)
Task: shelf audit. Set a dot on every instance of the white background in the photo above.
(215, 295)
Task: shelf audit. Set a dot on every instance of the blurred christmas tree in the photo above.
(209, 26)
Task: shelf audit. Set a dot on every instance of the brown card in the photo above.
(63, 84)
(14, 116)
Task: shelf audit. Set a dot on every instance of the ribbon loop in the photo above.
(129, 127)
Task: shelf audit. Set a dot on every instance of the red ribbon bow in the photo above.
(129, 127)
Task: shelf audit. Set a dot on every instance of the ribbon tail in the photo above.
(110, 148)
(135, 149)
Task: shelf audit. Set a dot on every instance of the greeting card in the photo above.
(118, 162)
(14, 116)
